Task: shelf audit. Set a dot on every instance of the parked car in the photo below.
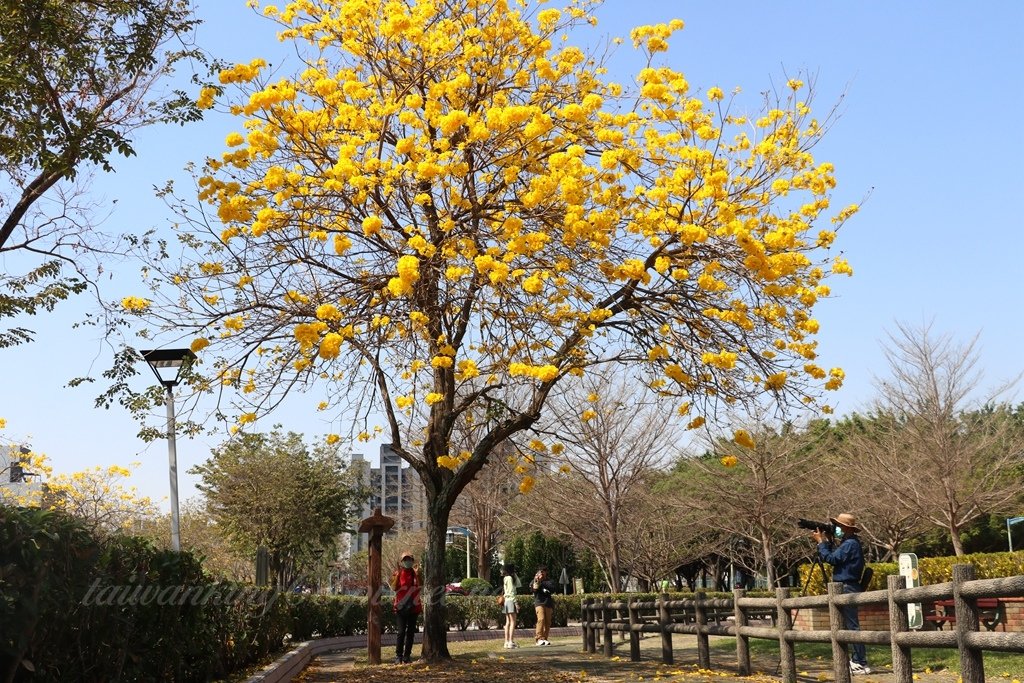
(454, 589)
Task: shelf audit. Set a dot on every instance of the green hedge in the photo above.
(83, 608)
(931, 569)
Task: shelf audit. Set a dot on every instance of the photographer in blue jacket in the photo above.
(846, 556)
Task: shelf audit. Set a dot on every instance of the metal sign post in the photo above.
(1009, 532)
(564, 580)
(908, 570)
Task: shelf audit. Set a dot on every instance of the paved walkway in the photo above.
(324, 668)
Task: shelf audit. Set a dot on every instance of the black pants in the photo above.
(406, 621)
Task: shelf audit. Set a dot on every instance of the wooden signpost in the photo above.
(375, 525)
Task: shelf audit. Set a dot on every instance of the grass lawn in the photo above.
(997, 664)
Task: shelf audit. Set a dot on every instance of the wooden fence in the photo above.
(703, 617)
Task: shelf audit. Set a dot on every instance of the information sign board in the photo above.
(908, 570)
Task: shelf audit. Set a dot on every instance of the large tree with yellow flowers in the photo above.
(450, 210)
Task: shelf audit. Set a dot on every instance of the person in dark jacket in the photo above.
(406, 583)
(543, 603)
(847, 559)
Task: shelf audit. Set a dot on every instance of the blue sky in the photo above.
(930, 92)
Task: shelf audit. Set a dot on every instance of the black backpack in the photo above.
(865, 577)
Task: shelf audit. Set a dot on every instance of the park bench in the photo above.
(990, 613)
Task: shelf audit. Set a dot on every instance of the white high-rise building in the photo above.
(395, 488)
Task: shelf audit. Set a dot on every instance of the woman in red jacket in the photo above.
(406, 583)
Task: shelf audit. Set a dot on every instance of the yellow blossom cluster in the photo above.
(545, 373)
(742, 438)
(135, 304)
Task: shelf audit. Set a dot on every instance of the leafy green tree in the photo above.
(270, 490)
(529, 551)
(78, 78)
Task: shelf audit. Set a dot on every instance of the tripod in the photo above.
(815, 563)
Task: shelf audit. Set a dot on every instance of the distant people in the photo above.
(543, 603)
(509, 584)
(406, 583)
(847, 559)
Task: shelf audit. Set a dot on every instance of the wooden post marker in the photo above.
(375, 525)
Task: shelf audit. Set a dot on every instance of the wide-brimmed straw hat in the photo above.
(845, 520)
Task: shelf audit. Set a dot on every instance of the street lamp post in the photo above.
(170, 359)
(465, 532)
(1009, 532)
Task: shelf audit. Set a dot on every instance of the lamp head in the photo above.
(168, 359)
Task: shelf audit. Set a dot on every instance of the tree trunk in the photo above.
(614, 569)
(435, 620)
(954, 536)
(483, 556)
(615, 574)
(769, 559)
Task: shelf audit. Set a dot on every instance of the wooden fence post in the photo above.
(634, 635)
(592, 633)
(787, 656)
(899, 623)
(972, 670)
(836, 622)
(584, 620)
(703, 644)
(665, 620)
(742, 642)
(607, 611)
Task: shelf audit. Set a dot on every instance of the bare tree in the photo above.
(885, 519)
(753, 488)
(605, 466)
(948, 453)
(657, 539)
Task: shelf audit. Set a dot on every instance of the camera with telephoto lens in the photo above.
(827, 528)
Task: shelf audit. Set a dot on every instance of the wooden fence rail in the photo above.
(703, 617)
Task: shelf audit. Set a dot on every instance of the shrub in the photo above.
(117, 608)
(475, 586)
(932, 570)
